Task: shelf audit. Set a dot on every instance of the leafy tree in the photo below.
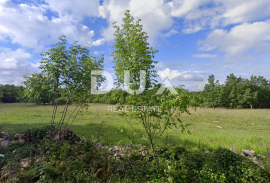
(231, 84)
(132, 53)
(212, 92)
(262, 86)
(20, 93)
(9, 93)
(38, 88)
(1, 92)
(238, 92)
(246, 95)
(70, 69)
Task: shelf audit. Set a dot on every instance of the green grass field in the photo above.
(241, 128)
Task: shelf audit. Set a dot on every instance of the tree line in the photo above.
(237, 92)
(11, 93)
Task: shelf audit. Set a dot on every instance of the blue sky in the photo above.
(195, 37)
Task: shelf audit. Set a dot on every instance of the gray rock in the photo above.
(13, 142)
(256, 161)
(117, 156)
(218, 126)
(233, 150)
(144, 152)
(2, 139)
(2, 156)
(256, 158)
(248, 152)
(5, 143)
(242, 154)
(25, 162)
(129, 145)
(99, 146)
(21, 141)
(56, 137)
(207, 151)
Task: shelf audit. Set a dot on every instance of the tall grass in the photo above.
(241, 128)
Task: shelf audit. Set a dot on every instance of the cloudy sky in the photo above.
(195, 37)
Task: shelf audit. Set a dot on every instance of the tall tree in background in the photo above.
(231, 84)
(38, 88)
(238, 92)
(11, 93)
(132, 53)
(212, 92)
(1, 93)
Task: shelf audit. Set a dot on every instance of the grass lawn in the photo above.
(241, 128)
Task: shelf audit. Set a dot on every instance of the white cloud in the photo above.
(189, 76)
(14, 63)
(28, 26)
(99, 42)
(204, 56)
(155, 15)
(201, 14)
(245, 10)
(79, 9)
(183, 7)
(160, 65)
(240, 39)
(171, 32)
(172, 65)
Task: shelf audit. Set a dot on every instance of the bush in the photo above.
(54, 161)
(37, 134)
(62, 101)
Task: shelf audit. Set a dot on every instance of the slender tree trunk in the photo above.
(55, 103)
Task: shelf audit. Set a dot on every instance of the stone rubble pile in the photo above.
(247, 153)
(118, 152)
(7, 140)
(63, 136)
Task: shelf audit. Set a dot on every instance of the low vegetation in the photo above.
(47, 160)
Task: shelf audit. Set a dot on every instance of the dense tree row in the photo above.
(11, 93)
(237, 92)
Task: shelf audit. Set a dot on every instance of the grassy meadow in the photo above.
(241, 128)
